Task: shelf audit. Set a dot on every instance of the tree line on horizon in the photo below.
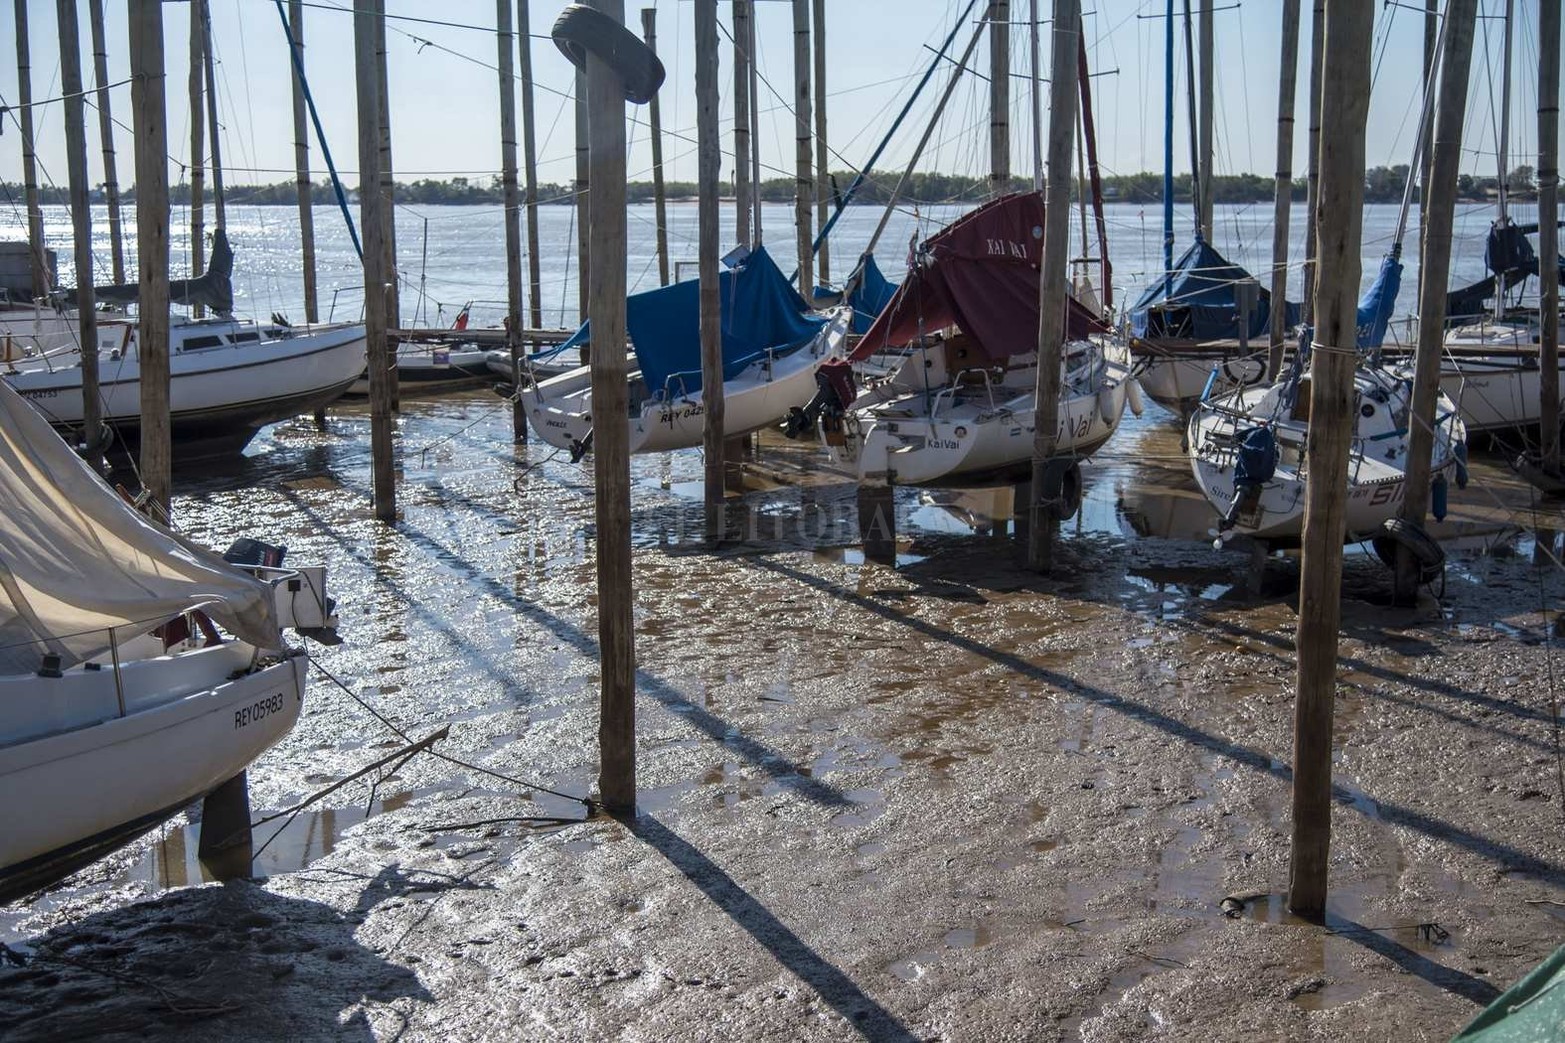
(1381, 185)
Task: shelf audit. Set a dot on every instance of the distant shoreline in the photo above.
(1381, 185)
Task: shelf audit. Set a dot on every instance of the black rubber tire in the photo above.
(581, 29)
(1428, 553)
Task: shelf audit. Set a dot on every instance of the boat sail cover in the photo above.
(213, 289)
(980, 274)
(871, 293)
(761, 312)
(1196, 300)
(1374, 308)
(76, 561)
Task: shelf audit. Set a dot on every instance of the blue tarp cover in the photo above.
(1374, 311)
(760, 308)
(871, 296)
(1195, 301)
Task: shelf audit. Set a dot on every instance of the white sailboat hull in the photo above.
(222, 393)
(1376, 469)
(69, 796)
(560, 409)
(939, 438)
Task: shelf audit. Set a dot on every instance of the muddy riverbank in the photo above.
(941, 800)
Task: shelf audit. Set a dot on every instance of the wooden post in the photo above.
(372, 216)
(1204, 22)
(513, 206)
(611, 435)
(529, 165)
(1426, 156)
(709, 172)
(1054, 275)
(744, 192)
(111, 178)
(194, 85)
(1434, 271)
(81, 225)
(388, 204)
(583, 201)
(649, 27)
(1345, 63)
(388, 187)
(226, 843)
(1312, 196)
(301, 163)
(36, 252)
(150, 124)
(822, 153)
(804, 156)
(216, 147)
(1000, 97)
(1287, 87)
(1548, 233)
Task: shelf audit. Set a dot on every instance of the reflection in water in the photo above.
(172, 861)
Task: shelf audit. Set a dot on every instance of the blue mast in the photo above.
(858, 179)
(342, 197)
(1168, 143)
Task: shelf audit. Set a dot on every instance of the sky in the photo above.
(445, 94)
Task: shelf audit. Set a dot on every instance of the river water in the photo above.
(449, 255)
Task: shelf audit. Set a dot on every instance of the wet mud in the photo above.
(931, 798)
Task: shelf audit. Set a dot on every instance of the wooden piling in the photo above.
(81, 226)
(1434, 271)
(649, 30)
(505, 45)
(611, 434)
(1345, 63)
(583, 201)
(194, 85)
(1312, 194)
(804, 155)
(226, 845)
(301, 164)
(1204, 38)
(111, 177)
(36, 252)
(823, 193)
(372, 216)
(709, 171)
(1548, 233)
(388, 202)
(150, 126)
(1287, 88)
(1054, 276)
(529, 165)
(219, 210)
(999, 97)
(744, 192)
(1426, 156)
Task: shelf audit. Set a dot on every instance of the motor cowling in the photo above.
(835, 390)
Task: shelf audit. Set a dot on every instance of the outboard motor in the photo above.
(835, 391)
(1256, 465)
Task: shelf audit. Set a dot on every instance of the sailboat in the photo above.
(228, 377)
(959, 408)
(1198, 317)
(1247, 447)
(137, 671)
(772, 341)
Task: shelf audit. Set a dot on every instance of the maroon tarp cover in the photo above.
(980, 274)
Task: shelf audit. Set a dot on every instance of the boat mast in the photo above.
(755, 125)
(1501, 149)
(1094, 179)
(1037, 100)
(1195, 127)
(1168, 145)
(1420, 143)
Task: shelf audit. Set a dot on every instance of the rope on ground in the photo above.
(590, 804)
